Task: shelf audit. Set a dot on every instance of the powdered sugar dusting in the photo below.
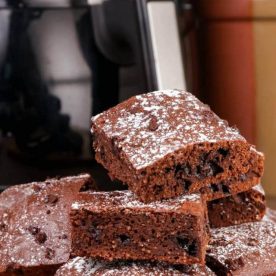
(250, 243)
(179, 120)
(88, 267)
(126, 199)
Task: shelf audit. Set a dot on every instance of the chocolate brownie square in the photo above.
(116, 226)
(167, 143)
(81, 266)
(246, 249)
(244, 207)
(35, 229)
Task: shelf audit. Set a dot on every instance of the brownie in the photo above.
(167, 143)
(35, 228)
(116, 226)
(244, 207)
(246, 249)
(81, 266)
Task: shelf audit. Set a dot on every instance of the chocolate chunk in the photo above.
(51, 199)
(33, 230)
(234, 264)
(124, 239)
(50, 253)
(40, 237)
(153, 123)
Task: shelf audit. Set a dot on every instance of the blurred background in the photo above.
(62, 61)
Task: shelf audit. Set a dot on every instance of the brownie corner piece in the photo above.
(246, 249)
(115, 225)
(35, 229)
(166, 143)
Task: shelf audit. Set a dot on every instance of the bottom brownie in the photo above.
(88, 267)
(246, 249)
(35, 231)
(244, 207)
(116, 226)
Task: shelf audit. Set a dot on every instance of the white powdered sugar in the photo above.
(127, 200)
(251, 243)
(179, 119)
(81, 266)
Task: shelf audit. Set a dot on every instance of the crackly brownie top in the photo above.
(245, 246)
(84, 266)
(149, 126)
(101, 201)
(34, 221)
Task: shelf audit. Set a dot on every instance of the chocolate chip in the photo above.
(36, 188)
(51, 199)
(124, 239)
(64, 236)
(41, 237)
(223, 152)
(153, 123)
(234, 264)
(33, 230)
(187, 184)
(183, 242)
(89, 185)
(193, 249)
(216, 169)
(50, 253)
(3, 226)
(252, 242)
(48, 212)
(136, 109)
(214, 187)
(225, 189)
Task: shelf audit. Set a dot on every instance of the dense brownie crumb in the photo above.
(115, 225)
(35, 231)
(246, 249)
(166, 143)
(81, 266)
(244, 207)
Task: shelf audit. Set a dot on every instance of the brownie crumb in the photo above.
(3, 226)
(36, 188)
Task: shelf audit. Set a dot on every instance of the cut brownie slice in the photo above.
(167, 143)
(81, 266)
(244, 207)
(246, 249)
(35, 229)
(115, 225)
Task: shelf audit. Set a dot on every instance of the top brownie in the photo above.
(166, 143)
(35, 231)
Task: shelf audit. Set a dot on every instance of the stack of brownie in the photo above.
(182, 164)
(186, 170)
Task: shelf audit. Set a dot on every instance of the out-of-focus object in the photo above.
(238, 70)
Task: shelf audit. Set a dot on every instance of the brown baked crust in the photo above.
(81, 266)
(166, 143)
(244, 207)
(35, 231)
(246, 249)
(116, 226)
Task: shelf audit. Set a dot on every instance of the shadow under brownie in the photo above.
(116, 226)
(166, 143)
